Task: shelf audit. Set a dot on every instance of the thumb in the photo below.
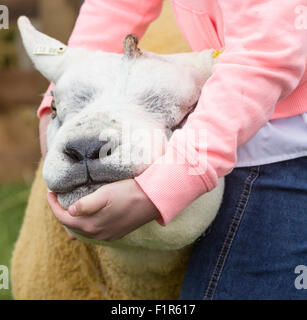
(91, 203)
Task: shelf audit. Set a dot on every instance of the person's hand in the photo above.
(109, 213)
(43, 124)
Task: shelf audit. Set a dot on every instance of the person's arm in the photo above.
(103, 25)
(264, 61)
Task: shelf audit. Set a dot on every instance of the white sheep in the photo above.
(112, 111)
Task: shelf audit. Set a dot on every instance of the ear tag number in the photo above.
(48, 51)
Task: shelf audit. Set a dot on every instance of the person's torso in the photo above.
(202, 23)
(285, 136)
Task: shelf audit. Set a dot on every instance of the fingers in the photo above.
(91, 203)
(61, 214)
(80, 225)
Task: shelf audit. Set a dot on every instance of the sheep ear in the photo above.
(202, 61)
(47, 54)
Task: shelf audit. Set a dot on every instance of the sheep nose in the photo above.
(80, 150)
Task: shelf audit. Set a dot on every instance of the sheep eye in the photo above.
(53, 110)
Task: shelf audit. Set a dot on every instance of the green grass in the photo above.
(13, 200)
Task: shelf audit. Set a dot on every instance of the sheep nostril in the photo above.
(80, 150)
(94, 149)
(73, 154)
(94, 154)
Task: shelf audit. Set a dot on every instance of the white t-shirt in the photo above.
(278, 140)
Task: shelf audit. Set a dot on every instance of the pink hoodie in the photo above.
(260, 76)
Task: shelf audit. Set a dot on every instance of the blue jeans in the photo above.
(257, 239)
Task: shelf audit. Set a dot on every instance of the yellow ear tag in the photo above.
(216, 53)
(48, 51)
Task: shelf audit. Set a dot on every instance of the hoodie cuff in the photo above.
(171, 187)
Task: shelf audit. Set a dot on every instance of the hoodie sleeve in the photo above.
(264, 61)
(103, 25)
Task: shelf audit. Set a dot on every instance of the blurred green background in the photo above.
(21, 89)
(13, 199)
